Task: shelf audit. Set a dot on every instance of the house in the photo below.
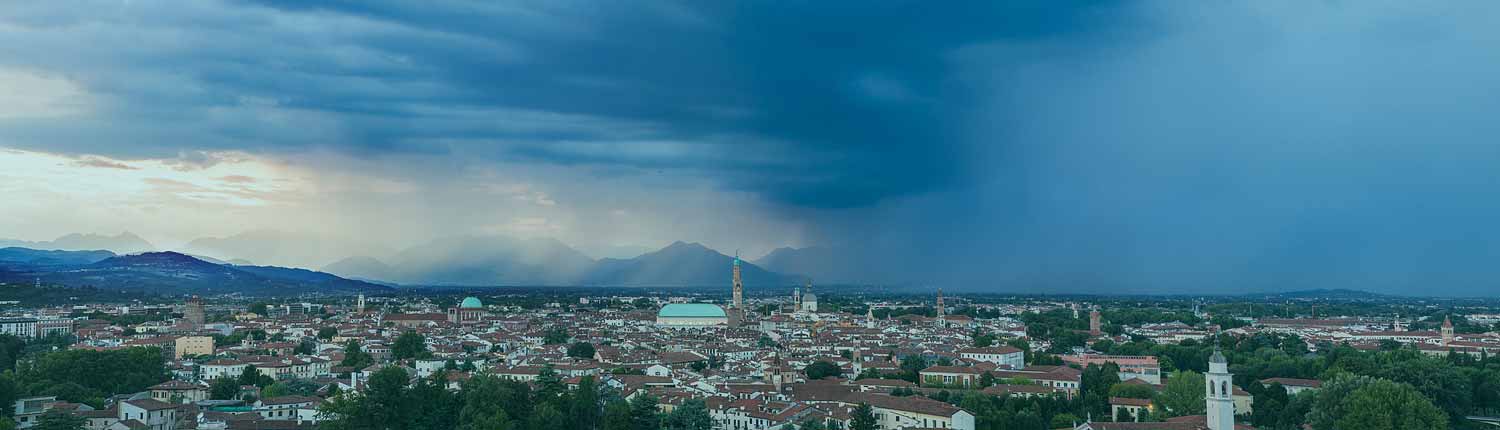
(1129, 410)
(1009, 356)
(1143, 367)
(959, 376)
(152, 414)
(27, 410)
(1060, 378)
(175, 391)
(912, 412)
(1024, 391)
(192, 345)
(221, 369)
(286, 408)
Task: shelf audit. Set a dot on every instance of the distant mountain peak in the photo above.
(161, 257)
(123, 243)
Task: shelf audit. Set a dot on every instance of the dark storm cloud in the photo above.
(1220, 147)
(815, 104)
(1040, 146)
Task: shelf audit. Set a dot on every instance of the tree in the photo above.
(584, 405)
(410, 345)
(275, 390)
(692, 415)
(822, 369)
(258, 309)
(8, 394)
(911, 368)
(1351, 402)
(1184, 394)
(987, 379)
(643, 413)
(617, 416)
(327, 333)
(555, 336)
(224, 389)
(250, 376)
(1267, 405)
(545, 417)
(305, 348)
(1132, 391)
(698, 366)
(863, 418)
(88, 376)
(58, 419)
(982, 340)
(582, 350)
(355, 357)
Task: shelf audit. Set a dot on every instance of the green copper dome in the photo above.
(691, 310)
(471, 303)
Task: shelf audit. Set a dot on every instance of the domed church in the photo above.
(470, 310)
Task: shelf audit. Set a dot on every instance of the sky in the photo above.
(1032, 146)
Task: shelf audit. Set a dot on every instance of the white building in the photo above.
(1000, 355)
(18, 327)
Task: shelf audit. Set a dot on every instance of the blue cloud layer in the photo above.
(817, 104)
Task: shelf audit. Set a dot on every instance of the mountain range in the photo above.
(479, 260)
(124, 243)
(166, 273)
(500, 260)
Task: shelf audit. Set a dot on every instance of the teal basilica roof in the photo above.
(471, 303)
(691, 310)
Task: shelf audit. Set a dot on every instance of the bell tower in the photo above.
(1220, 393)
(739, 287)
(1447, 331)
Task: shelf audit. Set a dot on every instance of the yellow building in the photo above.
(194, 345)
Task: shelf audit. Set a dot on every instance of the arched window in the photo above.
(1224, 389)
(1211, 392)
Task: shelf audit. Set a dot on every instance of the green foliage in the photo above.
(275, 390)
(410, 345)
(252, 376)
(822, 369)
(1094, 386)
(327, 333)
(555, 336)
(582, 350)
(8, 394)
(617, 416)
(911, 368)
(1350, 402)
(1184, 394)
(355, 356)
(982, 339)
(691, 415)
(58, 419)
(644, 414)
(87, 376)
(11, 349)
(224, 389)
(1132, 391)
(862, 418)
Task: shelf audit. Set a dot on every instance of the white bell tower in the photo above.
(1220, 393)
